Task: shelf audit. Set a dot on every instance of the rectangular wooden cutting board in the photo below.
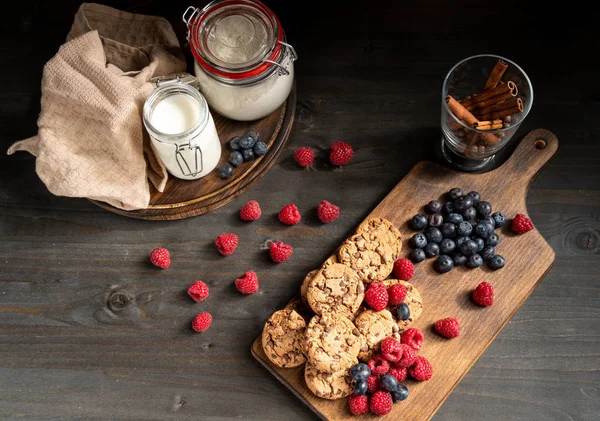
(528, 258)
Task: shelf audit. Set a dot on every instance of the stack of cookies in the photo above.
(328, 328)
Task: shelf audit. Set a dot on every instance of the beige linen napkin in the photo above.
(91, 141)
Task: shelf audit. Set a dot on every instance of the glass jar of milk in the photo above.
(243, 63)
(181, 128)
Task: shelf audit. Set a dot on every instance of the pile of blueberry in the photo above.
(459, 232)
(243, 148)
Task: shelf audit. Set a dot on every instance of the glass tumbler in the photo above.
(485, 98)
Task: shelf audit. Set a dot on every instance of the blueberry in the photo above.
(469, 248)
(484, 229)
(388, 382)
(474, 261)
(459, 259)
(461, 240)
(360, 387)
(499, 219)
(435, 206)
(417, 255)
(247, 141)
(403, 312)
(360, 371)
(488, 252)
(448, 208)
(454, 218)
(496, 262)
(253, 135)
(492, 240)
(483, 209)
(236, 158)
(248, 154)
(400, 393)
(444, 263)
(435, 220)
(448, 230)
(260, 148)
(433, 235)
(464, 228)
(447, 246)
(418, 241)
(418, 222)
(469, 214)
(480, 243)
(431, 250)
(490, 221)
(454, 193)
(225, 170)
(475, 196)
(233, 143)
(463, 202)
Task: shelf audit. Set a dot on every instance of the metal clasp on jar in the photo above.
(188, 20)
(282, 70)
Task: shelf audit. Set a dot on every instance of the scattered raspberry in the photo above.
(407, 357)
(226, 243)
(381, 403)
(404, 269)
(372, 383)
(413, 338)
(250, 211)
(289, 214)
(448, 327)
(359, 404)
(341, 153)
(304, 156)
(247, 283)
(521, 224)
(399, 373)
(327, 211)
(391, 349)
(198, 291)
(484, 294)
(280, 251)
(376, 296)
(160, 257)
(378, 365)
(397, 294)
(421, 370)
(202, 321)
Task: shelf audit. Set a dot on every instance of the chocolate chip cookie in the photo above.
(332, 342)
(374, 326)
(283, 338)
(301, 308)
(326, 385)
(413, 300)
(385, 228)
(304, 287)
(369, 254)
(335, 289)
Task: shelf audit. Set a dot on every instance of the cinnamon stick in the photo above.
(502, 89)
(489, 125)
(496, 75)
(518, 107)
(502, 105)
(491, 101)
(469, 119)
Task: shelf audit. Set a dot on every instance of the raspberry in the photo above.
(378, 365)
(397, 294)
(448, 327)
(202, 321)
(404, 269)
(484, 294)
(413, 338)
(359, 404)
(280, 251)
(250, 211)
(226, 243)
(198, 291)
(327, 211)
(289, 214)
(381, 403)
(377, 297)
(407, 356)
(391, 349)
(304, 156)
(341, 153)
(421, 370)
(372, 383)
(521, 224)
(247, 283)
(399, 373)
(160, 257)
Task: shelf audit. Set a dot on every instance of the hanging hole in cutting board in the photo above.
(540, 144)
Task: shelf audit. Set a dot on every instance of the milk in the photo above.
(175, 114)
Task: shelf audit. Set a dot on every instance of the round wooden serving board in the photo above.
(184, 199)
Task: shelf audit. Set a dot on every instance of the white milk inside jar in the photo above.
(182, 129)
(243, 64)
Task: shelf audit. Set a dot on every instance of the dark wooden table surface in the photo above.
(369, 73)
